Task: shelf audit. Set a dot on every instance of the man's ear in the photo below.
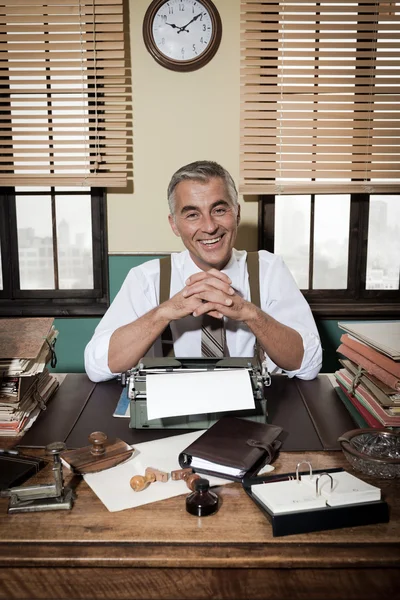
(238, 215)
(173, 225)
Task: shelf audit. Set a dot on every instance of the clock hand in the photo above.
(173, 25)
(190, 22)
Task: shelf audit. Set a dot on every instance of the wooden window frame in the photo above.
(356, 301)
(59, 303)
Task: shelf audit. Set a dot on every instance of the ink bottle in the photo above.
(202, 502)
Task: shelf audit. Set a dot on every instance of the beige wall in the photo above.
(178, 118)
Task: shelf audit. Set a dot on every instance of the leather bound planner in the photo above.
(232, 448)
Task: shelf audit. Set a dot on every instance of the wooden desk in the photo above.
(310, 412)
(160, 551)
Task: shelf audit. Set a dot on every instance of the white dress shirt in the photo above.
(279, 295)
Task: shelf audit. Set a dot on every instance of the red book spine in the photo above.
(390, 380)
(376, 408)
(373, 355)
(370, 419)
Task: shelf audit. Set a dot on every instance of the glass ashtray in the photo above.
(375, 452)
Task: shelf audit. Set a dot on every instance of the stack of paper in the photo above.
(370, 377)
(26, 346)
(112, 485)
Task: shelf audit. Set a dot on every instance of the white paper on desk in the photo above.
(173, 394)
(112, 485)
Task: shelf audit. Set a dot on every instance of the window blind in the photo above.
(320, 94)
(65, 109)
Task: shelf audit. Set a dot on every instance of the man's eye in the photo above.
(192, 216)
(220, 211)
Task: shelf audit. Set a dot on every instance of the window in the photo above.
(53, 245)
(320, 130)
(320, 97)
(343, 250)
(65, 128)
(65, 94)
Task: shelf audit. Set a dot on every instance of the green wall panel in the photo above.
(329, 333)
(74, 334)
(119, 266)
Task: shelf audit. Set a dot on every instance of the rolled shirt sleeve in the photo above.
(129, 304)
(96, 357)
(282, 299)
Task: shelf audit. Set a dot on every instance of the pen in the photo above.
(12, 452)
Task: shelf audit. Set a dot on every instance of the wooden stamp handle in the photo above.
(140, 482)
(159, 475)
(181, 473)
(97, 439)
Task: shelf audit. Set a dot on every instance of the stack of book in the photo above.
(26, 385)
(369, 380)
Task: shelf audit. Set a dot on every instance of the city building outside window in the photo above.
(342, 249)
(53, 244)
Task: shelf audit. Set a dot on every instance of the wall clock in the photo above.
(182, 35)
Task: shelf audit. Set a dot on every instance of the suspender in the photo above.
(165, 278)
(167, 342)
(253, 270)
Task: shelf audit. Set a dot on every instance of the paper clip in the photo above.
(38, 398)
(356, 380)
(303, 462)
(317, 491)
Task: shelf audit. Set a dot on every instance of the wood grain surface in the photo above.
(160, 551)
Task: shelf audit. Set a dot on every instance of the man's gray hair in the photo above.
(203, 171)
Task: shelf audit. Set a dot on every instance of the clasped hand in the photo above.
(208, 292)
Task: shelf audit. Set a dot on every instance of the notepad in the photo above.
(346, 489)
(287, 496)
(314, 491)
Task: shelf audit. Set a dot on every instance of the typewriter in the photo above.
(136, 378)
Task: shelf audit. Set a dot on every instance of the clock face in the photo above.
(182, 29)
(182, 34)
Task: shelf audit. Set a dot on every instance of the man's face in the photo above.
(206, 221)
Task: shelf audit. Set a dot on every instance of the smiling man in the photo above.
(209, 291)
